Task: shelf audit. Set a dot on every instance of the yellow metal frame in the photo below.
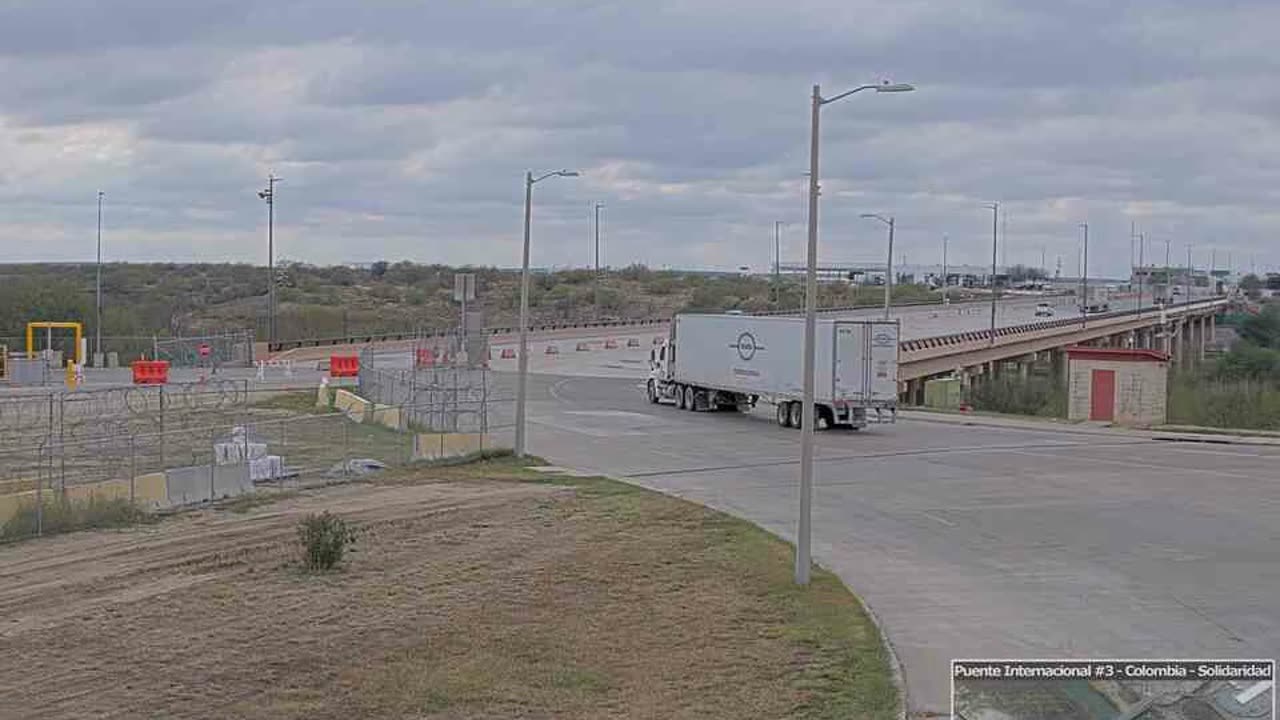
(44, 325)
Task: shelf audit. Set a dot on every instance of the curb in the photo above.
(1085, 429)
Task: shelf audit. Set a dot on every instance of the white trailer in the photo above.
(732, 362)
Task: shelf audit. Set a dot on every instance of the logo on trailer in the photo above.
(746, 346)
(882, 339)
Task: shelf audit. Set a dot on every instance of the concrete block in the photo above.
(99, 360)
(438, 446)
(356, 407)
(113, 360)
(387, 416)
(190, 485)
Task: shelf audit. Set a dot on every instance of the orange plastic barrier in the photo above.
(150, 372)
(425, 357)
(344, 366)
(583, 347)
(553, 350)
(508, 353)
(610, 344)
(633, 342)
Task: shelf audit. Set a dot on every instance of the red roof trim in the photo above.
(1081, 352)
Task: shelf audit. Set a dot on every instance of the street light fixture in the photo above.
(888, 267)
(522, 384)
(803, 539)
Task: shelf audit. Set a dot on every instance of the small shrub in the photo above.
(324, 540)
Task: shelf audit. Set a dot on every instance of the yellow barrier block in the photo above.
(437, 446)
(356, 407)
(387, 416)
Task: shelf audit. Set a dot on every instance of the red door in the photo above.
(1102, 395)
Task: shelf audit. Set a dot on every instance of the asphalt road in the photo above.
(975, 541)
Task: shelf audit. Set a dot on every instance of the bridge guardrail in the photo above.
(961, 338)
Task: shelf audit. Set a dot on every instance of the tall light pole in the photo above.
(888, 267)
(596, 207)
(522, 381)
(777, 259)
(803, 538)
(269, 195)
(1084, 277)
(1187, 298)
(97, 325)
(995, 225)
(1168, 272)
(1142, 261)
(945, 275)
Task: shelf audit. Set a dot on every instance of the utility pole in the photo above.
(995, 217)
(97, 325)
(269, 195)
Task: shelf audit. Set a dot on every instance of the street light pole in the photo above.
(807, 415)
(97, 326)
(597, 207)
(777, 260)
(995, 225)
(945, 275)
(1142, 261)
(1084, 273)
(269, 195)
(522, 380)
(888, 267)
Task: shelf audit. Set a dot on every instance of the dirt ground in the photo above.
(466, 597)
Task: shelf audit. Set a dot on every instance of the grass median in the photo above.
(484, 590)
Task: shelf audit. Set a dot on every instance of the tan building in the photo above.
(1124, 386)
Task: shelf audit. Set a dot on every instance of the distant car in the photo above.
(1044, 310)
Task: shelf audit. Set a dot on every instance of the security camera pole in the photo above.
(803, 539)
(269, 195)
(522, 380)
(97, 326)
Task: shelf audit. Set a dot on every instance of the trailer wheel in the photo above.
(794, 416)
(652, 391)
(783, 414)
(690, 398)
(680, 397)
(826, 419)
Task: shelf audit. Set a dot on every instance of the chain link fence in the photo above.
(96, 454)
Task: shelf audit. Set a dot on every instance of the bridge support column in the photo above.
(1202, 325)
(1179, 340)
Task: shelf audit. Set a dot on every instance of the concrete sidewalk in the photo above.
(1172, 433)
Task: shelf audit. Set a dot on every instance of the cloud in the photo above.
(403, 130)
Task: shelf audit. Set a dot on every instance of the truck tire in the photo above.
(793, 414)
(652, 391)
(680, 397)
(690, 398)
(783, 412)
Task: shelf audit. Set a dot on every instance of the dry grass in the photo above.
(477, 591)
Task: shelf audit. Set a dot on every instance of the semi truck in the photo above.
(734, 362)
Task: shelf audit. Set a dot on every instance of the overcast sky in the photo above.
(402, 130)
